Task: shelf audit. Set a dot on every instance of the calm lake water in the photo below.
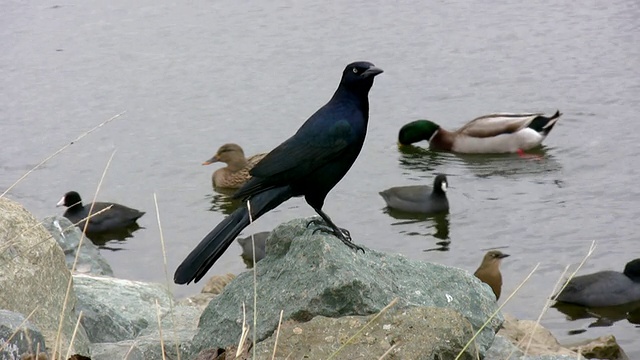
(194, 75)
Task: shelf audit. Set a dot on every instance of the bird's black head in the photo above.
(359, 75)
(440, 184)
(70, 199)
(632, 270)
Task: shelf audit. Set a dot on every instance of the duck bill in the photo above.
(61, 202)
(214, 159)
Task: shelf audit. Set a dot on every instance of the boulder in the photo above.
(521, 332)
(176, 331)
(68, 237)
(117, 309)
(309, 274)
(35, 277)
(211, 289)
(604, 347)
(515, 335)
(503, 348)
(18, 336)
(412, 333)
(217, 283)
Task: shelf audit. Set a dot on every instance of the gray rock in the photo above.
(503, 348)
(116, 309)
(216, 283)
(211, 289)
(308, 275)
(147, 347)
(178, 328)
(68, 237)
(604, 347)
(35, 276)
(417, 333)
(25, 337)
(516, 336)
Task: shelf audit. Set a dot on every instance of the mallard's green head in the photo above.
(417, 131)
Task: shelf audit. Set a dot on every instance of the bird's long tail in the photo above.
(543, 124)
(200, 260)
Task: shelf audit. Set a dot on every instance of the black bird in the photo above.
(309, 164)
(117, 217)
(604, 288)
(419, 198)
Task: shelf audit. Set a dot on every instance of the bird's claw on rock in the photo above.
(343, 234)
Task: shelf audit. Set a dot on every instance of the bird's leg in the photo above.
(524, 155)
(342, 234)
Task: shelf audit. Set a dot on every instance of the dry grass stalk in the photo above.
(550, 300)
(166, 274)
(164, 357)
(58, 343)
(73, 337)
(275, 344)
(255, 284)
(388, 351)
(473, 338)
(4, 345)
(59, 151)
(245, 332)
(17, 237)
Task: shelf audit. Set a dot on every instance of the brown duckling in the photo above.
(236, 173)
(489, 271)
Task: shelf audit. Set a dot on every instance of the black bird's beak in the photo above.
(502, 256)
(372, 71)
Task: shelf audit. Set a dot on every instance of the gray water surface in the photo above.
(194, 75)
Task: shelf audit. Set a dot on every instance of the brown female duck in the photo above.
(236, 173)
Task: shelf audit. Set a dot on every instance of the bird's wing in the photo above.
(496, 124)
(313, 146)
(412, 193)
(304, 152)
(116, 215)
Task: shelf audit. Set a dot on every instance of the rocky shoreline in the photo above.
(326, 293)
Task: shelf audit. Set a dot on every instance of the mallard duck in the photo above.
(489, 271)
(604, 288)
(419, 198)
(495, 133)
(117, 217)
(236, 173)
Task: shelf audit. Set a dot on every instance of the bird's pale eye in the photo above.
(355, 70)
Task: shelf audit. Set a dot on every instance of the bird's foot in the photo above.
(343, 234)
(524, 155)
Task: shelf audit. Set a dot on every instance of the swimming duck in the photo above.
(489, 271)
(236, 173)
(604, 288)
(419, 198)
(117, 217)
(495, 133)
